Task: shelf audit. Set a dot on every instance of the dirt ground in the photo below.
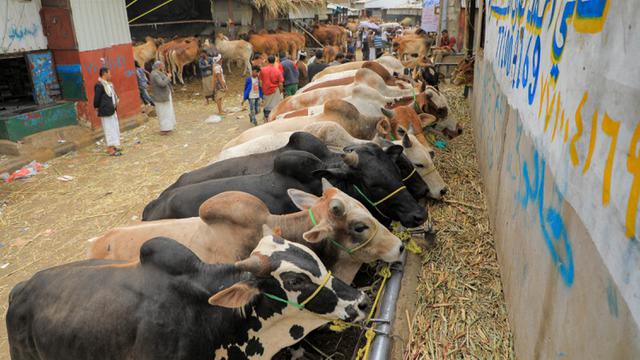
(46, 222)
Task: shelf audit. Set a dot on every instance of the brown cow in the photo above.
(339, 111)
(230, 226)
(347, 77)
(181, 55)
(146, 52)
(329, 53)
(331, 35)
(264, 43)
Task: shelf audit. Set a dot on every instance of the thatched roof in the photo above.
(275, 7)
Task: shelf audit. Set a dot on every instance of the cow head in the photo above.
(422, 160)
(285, 277)
(343, 220)
(374, 177)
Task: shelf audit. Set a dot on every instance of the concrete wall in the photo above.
(557, 121)
(21, 28)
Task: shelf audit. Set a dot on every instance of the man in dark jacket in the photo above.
(105, 101)
(291, 75)
(317, 66)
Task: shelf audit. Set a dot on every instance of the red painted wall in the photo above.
(119, 58)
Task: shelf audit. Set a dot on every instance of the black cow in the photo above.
(368, 167)
(256, 164)
(170, 305)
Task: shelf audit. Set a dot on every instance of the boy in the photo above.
(253, 93)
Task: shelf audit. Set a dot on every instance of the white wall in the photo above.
(557, 119)
(20, 27)
(100, 23)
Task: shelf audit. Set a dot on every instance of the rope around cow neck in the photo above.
(301, 305)
(349, 251)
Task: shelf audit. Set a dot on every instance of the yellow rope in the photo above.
(131, 3)
(152, 10)
(413, 247)
(370, 334)
(324, 282)
(389, 196)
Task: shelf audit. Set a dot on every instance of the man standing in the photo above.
(272, 86)
(317, 66)
(206, 73)
(105, 101)
(219, 84)
(164, 102)
(303, 79)
(291, 75)
(143, 84)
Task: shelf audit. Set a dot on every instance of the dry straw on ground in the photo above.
(460, 312)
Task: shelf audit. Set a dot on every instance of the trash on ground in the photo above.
(4, 266)
(26, 171)
(440, 144)
(234, 109)
(62, 141)
(65, 178)
(213, 119)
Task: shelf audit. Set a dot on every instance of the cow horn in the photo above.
(252, 264)
(337, 207)
(388, 113)
(351, 159)
(326, 185)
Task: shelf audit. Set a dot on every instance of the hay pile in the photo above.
(460, 311)
(278, 7)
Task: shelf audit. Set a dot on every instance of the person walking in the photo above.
(105, 101)
(372, 49)
(143, 84)
(378, 44)
(219, 84)
(303, 79)
(291, 75)
(272, 86)
(253, 94)
(206, 73)
(317, 66)
(164, 102)
(365, 44)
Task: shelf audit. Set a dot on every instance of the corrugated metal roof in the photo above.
(100, 23)
(393, 4)
(21, 28)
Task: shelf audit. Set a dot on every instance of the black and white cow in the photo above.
(170, 305)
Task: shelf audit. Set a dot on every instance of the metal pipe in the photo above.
(381, 346)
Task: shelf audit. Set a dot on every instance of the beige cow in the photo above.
(230, 226)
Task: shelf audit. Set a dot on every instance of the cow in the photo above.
(416, 45)
(329, 53)
(374, 177)
(235, 51)
(422, 162)
(146, 52)
(263, 43)
(320, 96)
(334, 136)
(393, 65)
(171, 305)
(262, 163)
(349, 76)
(339, 111)
(342, 232)
(178, 53)
(257, 163)
(331, 35)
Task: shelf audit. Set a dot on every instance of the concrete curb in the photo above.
(47, 154)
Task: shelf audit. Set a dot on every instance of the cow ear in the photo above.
(383, 127)
(331, 174)
(317, 233)
(426, 120)
(236, 296)
(301, 199)
(394, 152)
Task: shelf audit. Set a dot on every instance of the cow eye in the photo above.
(418, 165)
(360, 228)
